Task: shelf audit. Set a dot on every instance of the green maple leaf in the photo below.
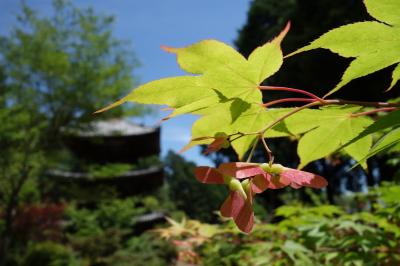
(254, 119)
(329, 129)
(251, 120)
(389, 140)
(222, 74)
(391, 120)
(373, 44)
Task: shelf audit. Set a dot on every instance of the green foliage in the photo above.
(331, 128)
(108, 170)
(375, 45)
(20, 133)
(117, 169)
(320, 235)
(389, 121)
(198, 202)
(145, 250)
(66, 66)
(54, 72)
(49, 254)
(99, 235)
(228, 83)
(251, 120)
(227, 89)
(385, 143)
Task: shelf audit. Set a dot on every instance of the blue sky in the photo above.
(147, 24)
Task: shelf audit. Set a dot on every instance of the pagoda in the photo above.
(115, 141)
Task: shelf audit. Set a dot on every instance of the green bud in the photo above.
(220, 135)
(246, 185)
(235, 185)
(272, 169)
(226, 144)
(227, 179)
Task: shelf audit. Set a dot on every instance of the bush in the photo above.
(49, 254)
(319, 235)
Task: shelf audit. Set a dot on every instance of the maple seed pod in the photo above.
(225, 144)
(272, 169)
(220, 135)
(246, 185)
(227, 179)
(235, 185)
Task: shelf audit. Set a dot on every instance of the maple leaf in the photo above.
(386, 142)
(327, 130)
(251, 120)
(220, 141)
(223, 75)
(374, 45)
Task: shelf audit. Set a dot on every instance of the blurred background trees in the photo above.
(54, 73)
(65, 67)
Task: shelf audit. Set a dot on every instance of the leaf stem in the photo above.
(268, 150)
(298, 109)
(252, 150)
(279, 88)
(385, 109)
(328, 102)
(365, 104)
(288, 100)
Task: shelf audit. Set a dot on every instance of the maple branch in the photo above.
(386, 109)
(279, 88)
(288, 100)
(268, 150)
(252, 150)
(298, 109)
(238, 134)
(328, 102)
(365, 104)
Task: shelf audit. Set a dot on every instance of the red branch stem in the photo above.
(279, 88)
(288, 100)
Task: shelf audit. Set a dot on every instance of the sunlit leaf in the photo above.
(334, 127)
(374, 45)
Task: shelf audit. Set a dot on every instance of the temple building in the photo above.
(131, 149)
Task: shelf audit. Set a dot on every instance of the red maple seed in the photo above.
(247, 179)
(239, 203)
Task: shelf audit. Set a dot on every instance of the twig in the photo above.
(252, 150)
(288, 100)
(386, 109)
(268, 150)
(298, 109)
(279, 88)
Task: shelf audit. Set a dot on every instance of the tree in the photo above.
(20, 163)
(66, 66)
(185, 193)
(55, 72)
(316, 72)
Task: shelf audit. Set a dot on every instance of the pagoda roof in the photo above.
(113, 127)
